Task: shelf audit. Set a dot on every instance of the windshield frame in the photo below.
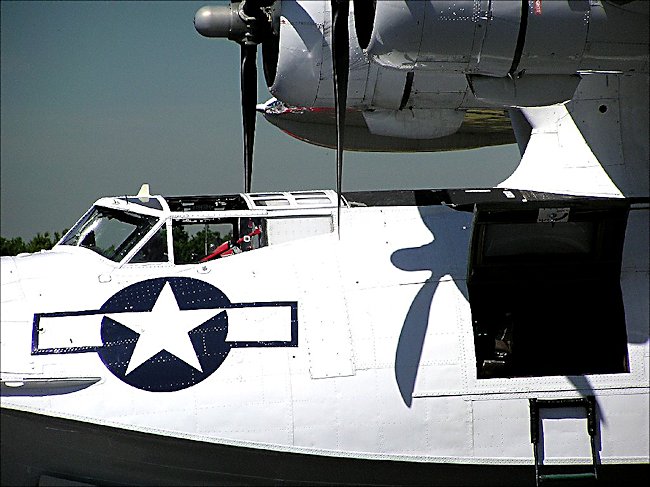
(133, 230)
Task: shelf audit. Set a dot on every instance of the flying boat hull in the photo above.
(114, 456)
(460, 348)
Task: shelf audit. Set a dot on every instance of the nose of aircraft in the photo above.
(14, 321)
(11, 290)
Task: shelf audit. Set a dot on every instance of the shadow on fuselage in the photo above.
(445, 255)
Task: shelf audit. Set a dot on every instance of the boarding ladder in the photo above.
(589, 403)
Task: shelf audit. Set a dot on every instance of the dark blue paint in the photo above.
(165, 372)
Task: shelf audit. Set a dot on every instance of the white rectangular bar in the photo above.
(259, 324)
(69, 331)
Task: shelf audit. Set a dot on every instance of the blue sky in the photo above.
(99, 97)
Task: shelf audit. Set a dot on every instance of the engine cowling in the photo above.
(441, 43)
(417, 66)
(496, 38)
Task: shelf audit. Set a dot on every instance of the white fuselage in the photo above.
(383, 365)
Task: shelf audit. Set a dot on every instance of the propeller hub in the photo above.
(248, 21)
(220, 21)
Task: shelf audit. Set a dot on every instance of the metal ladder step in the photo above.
(589, 403)
(567, 476)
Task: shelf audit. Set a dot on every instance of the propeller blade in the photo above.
(340, 65)
(249, 23)
(248, 102)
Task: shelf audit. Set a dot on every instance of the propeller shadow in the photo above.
(445, 255)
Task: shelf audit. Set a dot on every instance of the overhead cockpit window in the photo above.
(201, 240)
(111, 233)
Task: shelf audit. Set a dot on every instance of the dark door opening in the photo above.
(544, 289)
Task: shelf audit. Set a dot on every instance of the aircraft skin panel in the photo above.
(635, 277)
(617, 416)
(511, 436)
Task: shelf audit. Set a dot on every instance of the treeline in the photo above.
(42, 241)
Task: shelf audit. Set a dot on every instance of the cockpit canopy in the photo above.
(196, 229)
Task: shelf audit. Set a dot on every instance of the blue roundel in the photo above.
(163, 371)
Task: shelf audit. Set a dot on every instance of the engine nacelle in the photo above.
(414, 57)
(421, 53)
(497, 38)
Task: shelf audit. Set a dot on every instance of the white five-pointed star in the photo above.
(165, 327)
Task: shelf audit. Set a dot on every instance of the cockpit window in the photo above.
(194, 239)
(110, 233)
(155, 250)
(201, 240)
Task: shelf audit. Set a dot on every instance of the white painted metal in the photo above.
(597, 144)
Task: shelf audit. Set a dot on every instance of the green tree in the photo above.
(12, 246)
(15, 246)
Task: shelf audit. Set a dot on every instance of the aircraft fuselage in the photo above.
(437, 331)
